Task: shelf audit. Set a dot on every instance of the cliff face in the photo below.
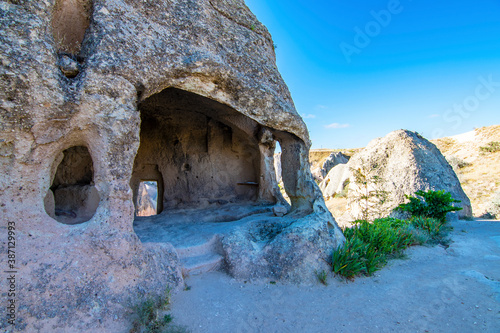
(95, 77)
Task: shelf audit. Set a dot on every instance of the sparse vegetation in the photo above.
(479, 180)
(458, 163)
(492, 147)
(322, 277)
(368, 192)
(152, 316)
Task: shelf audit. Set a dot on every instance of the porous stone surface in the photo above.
(202, 70)
(405, 162)
(278, 251)
(331, 161)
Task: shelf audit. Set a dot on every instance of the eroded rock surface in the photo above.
(153, 90)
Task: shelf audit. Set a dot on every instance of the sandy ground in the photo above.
(433, 290)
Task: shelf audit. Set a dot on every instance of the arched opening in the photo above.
(72, 197)
(147, 198)
(278, 171)
(201, 153)
(215, 173)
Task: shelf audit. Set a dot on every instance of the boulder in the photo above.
(334, 159)
(493, 208)
(336, 181)
(280, 210)
(402, 163)
(97, 96)
(331, 161)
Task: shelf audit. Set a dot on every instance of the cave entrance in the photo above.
(204, 156)
(72, 197)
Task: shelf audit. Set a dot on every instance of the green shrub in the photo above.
(492, 147)
(432, 204)
(420, 237)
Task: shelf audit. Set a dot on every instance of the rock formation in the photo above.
(331, 161)
(335, 181)
(97, 96)
(493, 208)
(402, 162)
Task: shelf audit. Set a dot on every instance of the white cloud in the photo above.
(308, 116)
(337, 125)
(434, 115)
(321, 107)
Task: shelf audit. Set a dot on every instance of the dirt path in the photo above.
(434, 290)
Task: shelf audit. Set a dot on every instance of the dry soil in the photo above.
(434, 289)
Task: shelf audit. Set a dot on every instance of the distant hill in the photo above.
(476, 167)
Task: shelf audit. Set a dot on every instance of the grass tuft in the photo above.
(322, 277)
(151, 316)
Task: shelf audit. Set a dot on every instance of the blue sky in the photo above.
(360, 69)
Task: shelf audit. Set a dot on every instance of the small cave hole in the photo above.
(72, 197)
(70, 21)
(147, 198)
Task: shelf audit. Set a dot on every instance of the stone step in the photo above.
(212, 245)
(201, 264)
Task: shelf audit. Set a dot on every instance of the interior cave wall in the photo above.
(198, 150)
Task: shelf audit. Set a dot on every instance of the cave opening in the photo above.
(204, 156)
(215, 173)
(72, 197)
